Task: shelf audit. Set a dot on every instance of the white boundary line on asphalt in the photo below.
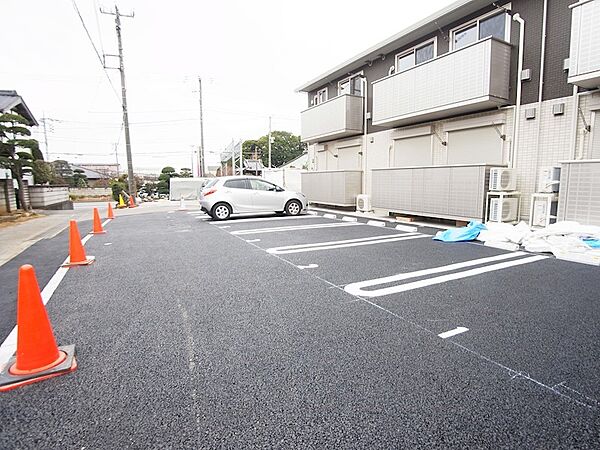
(514, 373)
(343, 244)
(357, 289)
(295, 228)
(9, 346)
(457, 330)
(265, 219)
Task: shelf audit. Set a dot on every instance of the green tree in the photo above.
(164, 178)
(14, 136)
(118, 185)
(285, 146)
(63, 171)
(185, 173)
(79, 179)
(43, 172)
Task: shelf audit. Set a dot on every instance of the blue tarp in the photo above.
(468, 233)
(593, 243)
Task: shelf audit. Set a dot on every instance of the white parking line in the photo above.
(294, 228)
(309, 266)
(264, 219)
(301, 248)
(457, 330)
(252, 240)
(358, 288)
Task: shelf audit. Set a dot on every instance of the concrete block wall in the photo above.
(8, 201)
(47, 196)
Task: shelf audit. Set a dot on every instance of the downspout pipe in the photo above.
(517, 18)
(541, 84)
(364, 148)
(574, 117)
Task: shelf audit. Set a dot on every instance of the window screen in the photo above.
(424, 53)
(406, 62)
(465, 36)
(493, 26)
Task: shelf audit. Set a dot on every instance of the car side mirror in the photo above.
(279, 189)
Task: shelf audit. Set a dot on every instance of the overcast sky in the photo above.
(251, 56)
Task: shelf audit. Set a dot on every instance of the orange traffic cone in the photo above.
(97, 224)
(77, 256)
(131, 202)
(37, 357)
(110, 214)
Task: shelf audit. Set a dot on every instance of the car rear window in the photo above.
(211, 183)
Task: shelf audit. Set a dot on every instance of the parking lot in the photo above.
(309, 332)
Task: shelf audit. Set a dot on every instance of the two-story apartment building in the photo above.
(417, 121)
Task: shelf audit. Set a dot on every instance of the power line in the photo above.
(94, 47)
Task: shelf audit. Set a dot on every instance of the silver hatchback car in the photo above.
(224, 196)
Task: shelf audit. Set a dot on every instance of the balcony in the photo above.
(339, 117)
(332, 187)
(454, 192)
(473, 78)
(584, 56)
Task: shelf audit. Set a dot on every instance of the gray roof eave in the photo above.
(443, 17)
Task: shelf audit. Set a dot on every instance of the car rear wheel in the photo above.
(293, 208)
(221, 211)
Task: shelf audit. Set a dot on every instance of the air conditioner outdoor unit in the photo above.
(363, 203)
(503, 179)
(548, 179)
(503, 211)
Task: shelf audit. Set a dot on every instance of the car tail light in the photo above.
(210, 191)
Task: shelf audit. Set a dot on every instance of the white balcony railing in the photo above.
(584, 56)
(473, 78)
(332, 187)
(338, 117)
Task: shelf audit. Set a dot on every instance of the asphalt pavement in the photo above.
(309, 333)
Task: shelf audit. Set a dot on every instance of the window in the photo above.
(259, 185)
(351, 85)
(494, 24)
(236, 184)
(415, 55)
(321, 96)
(211, 183)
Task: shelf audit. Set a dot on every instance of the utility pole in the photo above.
(117, 158)
(201, 153)
(44, 120)
(130, 179)
(269, 142)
